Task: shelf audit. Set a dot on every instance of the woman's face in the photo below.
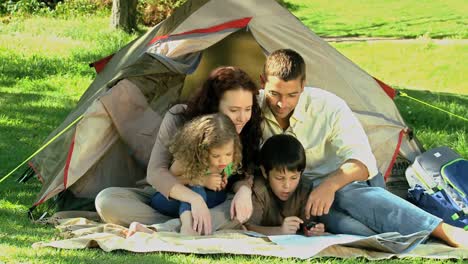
(237, 105)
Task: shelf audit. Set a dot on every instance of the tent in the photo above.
(111, 143)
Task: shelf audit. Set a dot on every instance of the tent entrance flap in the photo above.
(238, 49)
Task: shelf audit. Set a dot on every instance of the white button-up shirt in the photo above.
(328, 130)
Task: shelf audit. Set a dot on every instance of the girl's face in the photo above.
(283, 183)
(221, 156)
(237, 105)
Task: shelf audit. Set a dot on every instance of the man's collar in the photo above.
(299, 111)
(298, 114)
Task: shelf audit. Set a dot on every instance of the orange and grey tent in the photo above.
(119, 114)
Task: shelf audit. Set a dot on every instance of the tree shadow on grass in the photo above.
(369, 29)
(405, 22)
(27, 124)
(17, 67)
(32, 106)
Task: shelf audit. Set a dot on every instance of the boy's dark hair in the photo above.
(285, 64)
(282, 152)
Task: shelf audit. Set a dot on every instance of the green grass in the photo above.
(433, 127)
(44, 70)
(420, 65)
(390, 18)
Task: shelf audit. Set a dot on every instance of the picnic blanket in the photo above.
(80, 233)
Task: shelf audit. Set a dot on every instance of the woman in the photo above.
(228, 90)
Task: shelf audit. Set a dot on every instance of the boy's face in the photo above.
(281, 96)
(283, 183)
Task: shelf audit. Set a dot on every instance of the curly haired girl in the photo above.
(207, 144)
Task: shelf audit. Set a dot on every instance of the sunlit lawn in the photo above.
(390, 18)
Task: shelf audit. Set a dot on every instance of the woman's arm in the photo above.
(176, 168)
(246, 181)
(241, 205)
(159, 176)
(158, 173)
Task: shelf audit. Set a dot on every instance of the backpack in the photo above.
(438, 181)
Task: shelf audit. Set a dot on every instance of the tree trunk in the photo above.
(124, 14)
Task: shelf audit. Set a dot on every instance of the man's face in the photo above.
(282, 96)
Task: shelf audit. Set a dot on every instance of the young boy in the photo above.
(279, 196)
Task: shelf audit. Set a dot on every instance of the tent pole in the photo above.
(403, 94)
(43, 147)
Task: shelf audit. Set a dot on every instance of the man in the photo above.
(339, 160)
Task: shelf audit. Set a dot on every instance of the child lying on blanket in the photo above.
(279, 196)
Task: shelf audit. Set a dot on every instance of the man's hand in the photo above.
(291, 224)
(201, 216)
(214, 182)
(320, 200)
(241, 205)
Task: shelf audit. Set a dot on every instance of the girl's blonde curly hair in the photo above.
(192, 144)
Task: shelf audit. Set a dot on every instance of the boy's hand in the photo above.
(291, 224)
(320, 200)
(214, 181)
(317, 230)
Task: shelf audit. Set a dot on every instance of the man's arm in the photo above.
(351, 144)
(351, 170)
(321, 198)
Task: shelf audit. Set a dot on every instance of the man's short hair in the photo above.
(285, 64)
(282, 152)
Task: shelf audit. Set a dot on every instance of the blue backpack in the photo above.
(438, 182)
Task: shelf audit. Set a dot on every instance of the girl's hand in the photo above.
(317, 230)
(241, 205)
(291, 224)
(214, 182)
(224, 181)
(201, 216)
